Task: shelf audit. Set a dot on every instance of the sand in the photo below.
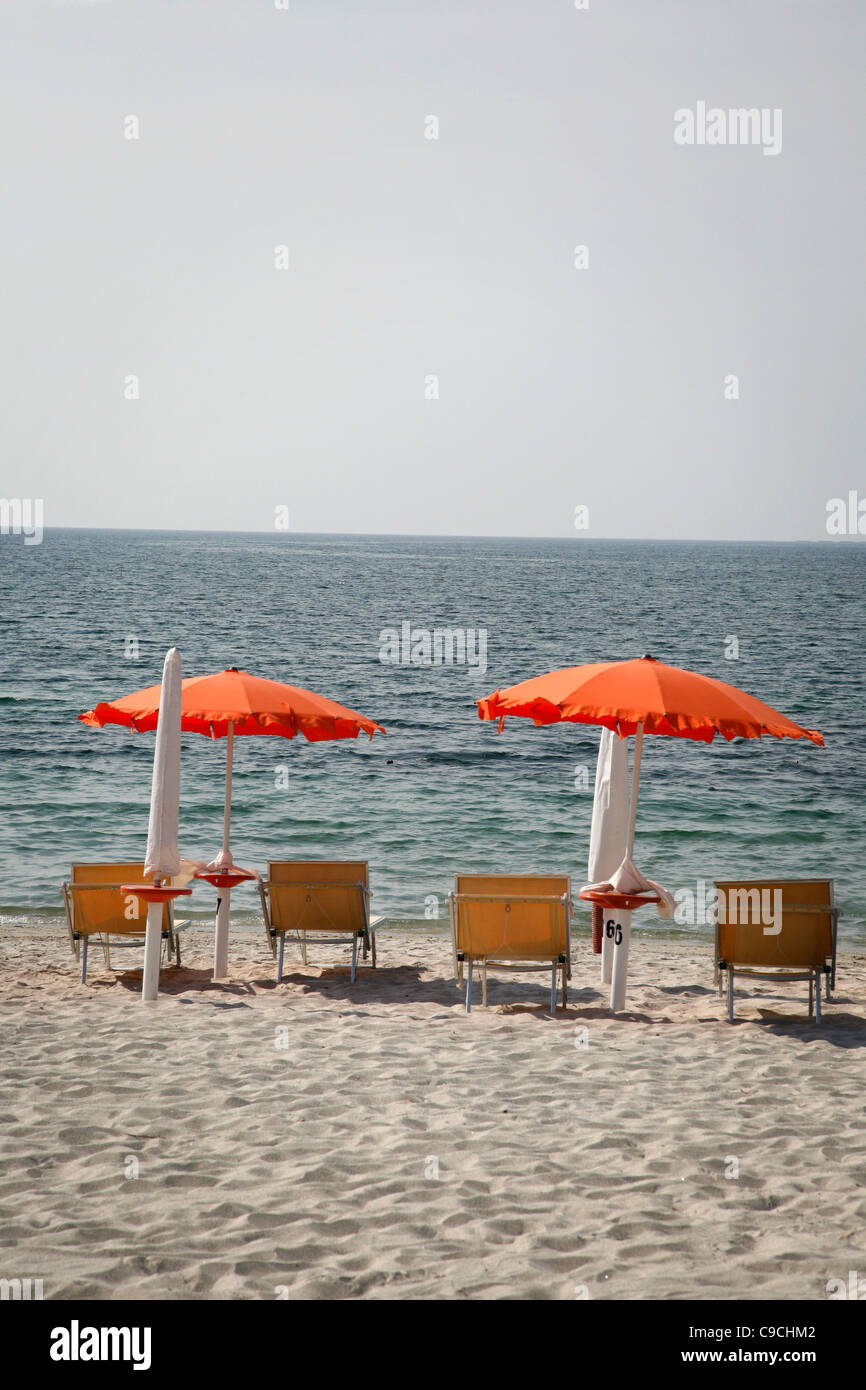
(320, 1140)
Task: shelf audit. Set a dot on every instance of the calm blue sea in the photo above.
(442, 792)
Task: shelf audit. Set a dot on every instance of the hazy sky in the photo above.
(412, 257)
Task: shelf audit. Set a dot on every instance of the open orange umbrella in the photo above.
(642, 696)
(637, 697)
(623, 694)
(233, 702)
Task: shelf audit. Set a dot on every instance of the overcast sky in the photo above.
(411, 258)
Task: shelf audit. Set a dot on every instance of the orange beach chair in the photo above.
(800, 946)
(95, 907)
(325, 902)
(511, 922)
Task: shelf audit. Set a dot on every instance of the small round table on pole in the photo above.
(617, 929)
(226, 880)
(155, 895)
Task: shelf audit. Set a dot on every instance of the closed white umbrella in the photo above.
(610, 824)
(162, 859)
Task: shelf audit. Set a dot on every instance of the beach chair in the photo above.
(95, 907)
(800, 947)
(516, 922)
(326, 902)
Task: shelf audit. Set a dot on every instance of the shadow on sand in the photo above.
(413, 985)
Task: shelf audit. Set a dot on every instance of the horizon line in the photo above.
(461, 536)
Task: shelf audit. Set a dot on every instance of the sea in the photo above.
(88, 615)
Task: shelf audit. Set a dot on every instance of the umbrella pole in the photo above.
(635, 782)
(221, 935)
(227, 813)
(622, 937)
(152, 948)
(621, 942)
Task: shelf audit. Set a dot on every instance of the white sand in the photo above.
(263, 1168)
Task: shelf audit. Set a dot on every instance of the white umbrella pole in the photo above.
(221, 935)
(608, 921)
(621, 942)
(152, 948)
(635, 782)
(227, 813)
(622, 931)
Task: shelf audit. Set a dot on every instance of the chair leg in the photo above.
(484, 984)
(553, 988)
(304, 947)
(373, 949)
(811, 994)
(469, 987)
(827, 986)
(818, 997)
(730, 994)
(564, 987)
(354, 955)
(280, 949)
(83, 959)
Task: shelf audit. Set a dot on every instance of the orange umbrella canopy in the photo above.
(251, 705)
(621, 695)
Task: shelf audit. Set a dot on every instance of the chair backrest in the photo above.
(317, 895)
(99, 906)
(511, 916)
(786, 923)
